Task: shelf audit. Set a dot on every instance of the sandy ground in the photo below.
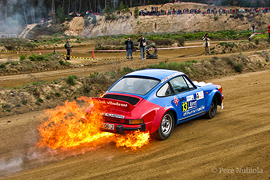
(233, 145)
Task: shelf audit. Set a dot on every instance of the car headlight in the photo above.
(135, 121)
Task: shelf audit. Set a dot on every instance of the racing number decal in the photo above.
(184, 106)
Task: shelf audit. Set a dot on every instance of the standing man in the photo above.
(253, 28)
(142, 46)
(68, 47)
(268, 31)
(206, 43)
(129, 47)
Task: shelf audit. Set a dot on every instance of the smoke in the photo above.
(11, 165)
(16, 14)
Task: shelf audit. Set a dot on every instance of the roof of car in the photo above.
(160, 74)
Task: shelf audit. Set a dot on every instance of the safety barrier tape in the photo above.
(75, 57)
(115, 50)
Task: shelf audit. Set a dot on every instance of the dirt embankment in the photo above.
(126, 24)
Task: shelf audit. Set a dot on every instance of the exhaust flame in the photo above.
(63, 128)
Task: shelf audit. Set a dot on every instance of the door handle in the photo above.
(182, 99)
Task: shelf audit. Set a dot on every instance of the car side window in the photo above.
(179, 84)
(165, 90)
(190, 85)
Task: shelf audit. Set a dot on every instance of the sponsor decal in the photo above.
(190, 112)
(176, 101)
(192, 104)
(190, 98)
(171, 76)
(113, 115)
(189, 105)
(199, 95)
(112, 103)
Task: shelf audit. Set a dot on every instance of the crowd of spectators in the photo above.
(171, 11)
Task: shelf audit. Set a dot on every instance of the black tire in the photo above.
(151, 56)
(166, 127)
(153, 46)
(212, 110)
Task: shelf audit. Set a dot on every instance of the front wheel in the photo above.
(166, 127)
(212, 110)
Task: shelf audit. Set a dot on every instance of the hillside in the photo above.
(126, 24)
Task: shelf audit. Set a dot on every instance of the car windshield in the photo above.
(135, 85)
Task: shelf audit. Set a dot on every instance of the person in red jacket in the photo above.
(268, 30)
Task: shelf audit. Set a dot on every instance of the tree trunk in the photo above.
(69, 6)
(33, 15)
(80, 6)
(53, 8)
(130, 3)
(63, 5)
(24, 15)
(90, 6)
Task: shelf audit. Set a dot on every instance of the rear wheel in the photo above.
(213, 109)
(166, 127)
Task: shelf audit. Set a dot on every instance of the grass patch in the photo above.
(71, 80)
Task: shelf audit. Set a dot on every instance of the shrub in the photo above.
(216, 18)
(136, 12)
(3, 65)
(35, 57)
(70, 80)
(181, 41)
(24, 102)
(94, 20)
(22, 57)
(238, 68)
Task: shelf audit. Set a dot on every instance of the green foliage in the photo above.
(22, 57)
(108, 9)
(121, 7)
(70, 80)
(38, 83)
(3, 65)
(35, 57)
(216, 17)
(238, 68)
(61, 62)
(60, 15)
(14, 63)
(184, 67)
(94, 20)
(92, 75)
(127, 10)
(136, 12)
(86, 21)
(24, 102)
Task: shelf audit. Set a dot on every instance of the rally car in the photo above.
(155, 100)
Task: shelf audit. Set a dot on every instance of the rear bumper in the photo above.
(120, 129)
(123, 128)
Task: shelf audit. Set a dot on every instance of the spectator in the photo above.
(129, 47)
(68, 47)
(253, 28)
(142, 46)
(206, 44)
(268, 31)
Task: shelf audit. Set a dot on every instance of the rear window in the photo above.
(135, 85)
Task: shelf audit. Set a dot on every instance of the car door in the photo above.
(188, 99)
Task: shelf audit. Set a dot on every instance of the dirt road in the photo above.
(233, 145)
(173, 55)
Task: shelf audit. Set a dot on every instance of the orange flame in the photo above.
(63, 128)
